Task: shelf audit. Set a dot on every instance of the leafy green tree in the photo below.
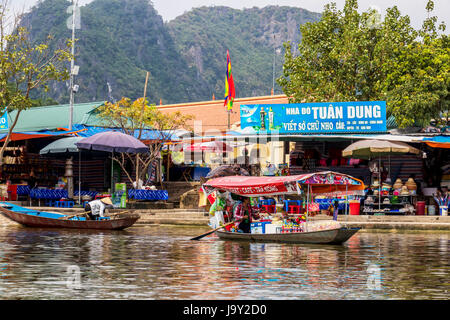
(417, 87)
(134, 116)
(25, 67)
(348, 56)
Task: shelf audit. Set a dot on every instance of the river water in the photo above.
(160, 262)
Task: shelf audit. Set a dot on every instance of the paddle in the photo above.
(86, 212)
(212, 231)
(116, 214)
(74, 215)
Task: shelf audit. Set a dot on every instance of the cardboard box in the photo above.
(273, 228)
(259, 227)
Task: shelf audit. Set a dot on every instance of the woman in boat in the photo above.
(243, 215)
(96, 208)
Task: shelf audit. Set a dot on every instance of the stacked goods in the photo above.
(411, 185)
(398, 185)
(289, 227)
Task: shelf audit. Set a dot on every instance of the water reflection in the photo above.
(157, 262)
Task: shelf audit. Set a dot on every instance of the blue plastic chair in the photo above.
(267, 202)
(288, 203)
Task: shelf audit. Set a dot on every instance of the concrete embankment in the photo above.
(394, 222)
(201, 218)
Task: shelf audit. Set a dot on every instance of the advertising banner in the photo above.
(4, 121)
(120, 196)
(329, 117)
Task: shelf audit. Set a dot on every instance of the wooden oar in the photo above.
(116, 214)
(212, 231)
(86, 212)
(74, 215)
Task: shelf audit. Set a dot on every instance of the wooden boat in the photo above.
(334, 236)
(318, 183)
(40, 219)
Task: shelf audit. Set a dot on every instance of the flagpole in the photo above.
(72, 65)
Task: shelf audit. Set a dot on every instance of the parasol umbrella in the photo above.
(227, 170)
(369, 149)
(113, 141)
(64, 145)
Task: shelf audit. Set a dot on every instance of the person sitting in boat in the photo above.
(96, 208)
(243, 215)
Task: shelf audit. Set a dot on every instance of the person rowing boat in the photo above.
(243, 214)
(96, 209)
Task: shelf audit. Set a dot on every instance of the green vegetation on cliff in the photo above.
(120, 40)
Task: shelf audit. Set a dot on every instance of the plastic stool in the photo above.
(293, 209)
(288, 203)
(269, 208)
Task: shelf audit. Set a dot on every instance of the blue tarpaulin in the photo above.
(146, 133)
(438, 141)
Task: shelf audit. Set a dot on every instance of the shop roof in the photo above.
(147, 134)
(53, 117)
(17, 136)
(313, 137)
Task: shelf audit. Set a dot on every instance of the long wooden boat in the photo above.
(326, 183)
(41, 219)
(333, 236)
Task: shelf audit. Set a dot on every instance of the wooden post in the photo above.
(141, 127)
(307, 209)
(168, 162)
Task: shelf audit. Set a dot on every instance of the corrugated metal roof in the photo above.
(147, 134)
(315, 137)
(52, 117)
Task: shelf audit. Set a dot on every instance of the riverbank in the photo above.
(198, 217)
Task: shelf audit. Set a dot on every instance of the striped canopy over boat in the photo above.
(326, 182)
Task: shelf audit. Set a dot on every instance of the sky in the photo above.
(170, 9)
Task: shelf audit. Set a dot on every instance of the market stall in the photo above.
(390, 199)
(271, 222)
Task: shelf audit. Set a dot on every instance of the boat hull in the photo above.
(333, 236)
(35, 221)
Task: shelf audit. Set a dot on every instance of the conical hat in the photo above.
(106, 201)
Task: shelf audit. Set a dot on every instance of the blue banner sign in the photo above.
(330, 117)
(4, 121)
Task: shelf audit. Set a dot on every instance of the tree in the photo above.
(348, 56)
(132, 117)
(418, 86)
(25, 67)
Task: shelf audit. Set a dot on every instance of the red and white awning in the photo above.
(326, 182)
